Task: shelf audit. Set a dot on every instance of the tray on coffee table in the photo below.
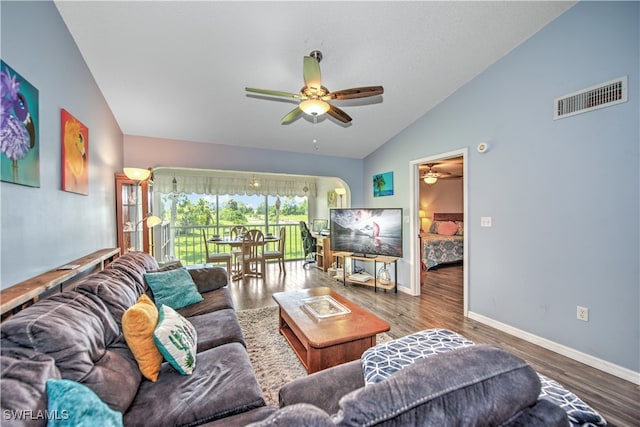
(324, 306)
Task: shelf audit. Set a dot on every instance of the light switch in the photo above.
(485, 221)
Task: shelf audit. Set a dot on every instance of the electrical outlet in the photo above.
(583, 314)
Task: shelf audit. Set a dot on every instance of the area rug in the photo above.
(272, 358)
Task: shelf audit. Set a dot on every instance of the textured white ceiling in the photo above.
(177, 70)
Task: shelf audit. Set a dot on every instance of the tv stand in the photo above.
(373, 282)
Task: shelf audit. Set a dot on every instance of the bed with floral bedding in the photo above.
(444, 241)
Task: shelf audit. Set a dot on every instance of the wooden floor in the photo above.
(440, 306)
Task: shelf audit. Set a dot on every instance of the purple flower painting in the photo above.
(19, 145)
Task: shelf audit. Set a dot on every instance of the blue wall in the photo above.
(43, 228)
(564, 195)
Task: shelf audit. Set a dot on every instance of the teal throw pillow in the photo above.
(73, 404)
(177, 340)
(174, 288)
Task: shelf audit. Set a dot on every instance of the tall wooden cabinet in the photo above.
(132, 206)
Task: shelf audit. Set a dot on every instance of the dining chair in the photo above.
(252, 257)
(236, 233)
(214, 257)
(278, 253)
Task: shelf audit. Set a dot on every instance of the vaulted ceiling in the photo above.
(178, 69)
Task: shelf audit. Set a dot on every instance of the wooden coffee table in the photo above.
(326, 342)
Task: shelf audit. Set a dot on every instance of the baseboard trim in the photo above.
(595, 362)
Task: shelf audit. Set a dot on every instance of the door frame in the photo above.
(414, 218)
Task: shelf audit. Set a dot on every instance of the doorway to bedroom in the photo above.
(440, 200)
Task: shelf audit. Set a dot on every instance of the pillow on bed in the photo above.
(433, 228)
(460, 231)
(448, 228)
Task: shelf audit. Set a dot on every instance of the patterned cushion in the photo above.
(177, 340)
(579, 413)
(75, 404)
(138, 325)
(174, 288)
(382, 360)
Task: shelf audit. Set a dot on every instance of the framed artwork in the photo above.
(383, 184)
(19, 140)
(75, 154)
(332, 199)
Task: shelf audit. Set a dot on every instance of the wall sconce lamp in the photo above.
(137, 175)
(340, 192)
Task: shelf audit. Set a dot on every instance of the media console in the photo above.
(374, 281)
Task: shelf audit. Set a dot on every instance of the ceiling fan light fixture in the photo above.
(430, 178)
(314, 107)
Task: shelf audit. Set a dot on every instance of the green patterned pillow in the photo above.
(176, 338)
(75, 404)
(174, 288)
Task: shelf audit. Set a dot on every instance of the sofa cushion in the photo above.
(114, 287)
(217, 328)
(135, 264)
(476, 385)
(220, 299)
(174, 288)
(77, 405)
(138, 324)
(223, 384)
(209, 278)
(24, 375)
(80, 334)
(177, 339)
(300, 415)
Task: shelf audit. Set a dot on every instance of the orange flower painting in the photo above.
(75, 154)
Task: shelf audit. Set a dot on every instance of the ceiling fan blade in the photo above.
(311, 72)
(356, 92)
(291, 116)
(338, 114)
(272, 92)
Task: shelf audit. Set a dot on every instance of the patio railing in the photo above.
(185, 243)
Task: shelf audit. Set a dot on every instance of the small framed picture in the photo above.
(383, 184)
(75, 154)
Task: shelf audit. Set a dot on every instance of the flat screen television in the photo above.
(318, 225)
(367, 231)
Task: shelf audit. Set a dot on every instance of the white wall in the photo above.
(43, 228)
(563, 195)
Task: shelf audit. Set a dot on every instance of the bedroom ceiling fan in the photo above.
(432, 175)
(313, 96)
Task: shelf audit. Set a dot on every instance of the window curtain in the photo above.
(212, 181)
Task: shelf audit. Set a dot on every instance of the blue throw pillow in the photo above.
(73, 404)
(174, 288)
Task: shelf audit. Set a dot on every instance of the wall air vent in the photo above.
(600, 96)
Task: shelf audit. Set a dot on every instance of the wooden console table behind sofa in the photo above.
(23, 294)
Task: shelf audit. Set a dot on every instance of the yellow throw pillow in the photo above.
(138, 324)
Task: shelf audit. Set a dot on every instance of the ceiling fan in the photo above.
(432, 175)
(313, 96)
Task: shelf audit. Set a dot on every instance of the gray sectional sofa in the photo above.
(77, 335)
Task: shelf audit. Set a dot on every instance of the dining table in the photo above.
(237, 273)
